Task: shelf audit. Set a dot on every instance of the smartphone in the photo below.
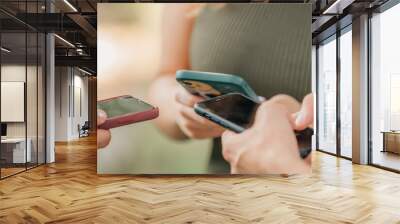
(124, 110)
(209, 84)
(237, 112)
(233, 111)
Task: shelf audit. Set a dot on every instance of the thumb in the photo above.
(186, 98)
(101, 117)
(305, 117)
(230, 146)
(228, 136)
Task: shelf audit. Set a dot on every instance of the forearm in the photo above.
(162, 94)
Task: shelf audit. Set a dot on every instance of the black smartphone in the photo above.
(233, 111)
(236, 112)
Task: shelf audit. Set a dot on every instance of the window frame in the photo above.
(378, 10)
(334, 37)
(27, 29)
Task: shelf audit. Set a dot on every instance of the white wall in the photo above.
(62, 81)
(12, 73)
(80, 83)
(69, 82)
(34, 125)
(16, 73)
(12, 101)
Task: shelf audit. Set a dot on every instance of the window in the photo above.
(394, 102)
(327, 95)
(346, 93)
(22, 76)
(385, 89)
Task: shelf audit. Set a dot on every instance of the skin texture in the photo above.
(305, 117)
(270, 145)
(191, 124)
(177, 118)
(103, 136)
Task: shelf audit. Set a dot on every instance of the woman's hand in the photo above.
(270, 145)
(103, 136)
(305, 117)
(190, 123)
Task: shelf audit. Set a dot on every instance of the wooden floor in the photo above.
(387, 159)
(5, 172)
(69, 191)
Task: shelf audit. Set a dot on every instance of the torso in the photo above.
(266, 44)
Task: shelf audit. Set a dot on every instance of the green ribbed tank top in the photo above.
(269, 45)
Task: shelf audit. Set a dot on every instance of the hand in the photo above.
(190, 123)
(305, 117)
(103, 136)
(268, 147)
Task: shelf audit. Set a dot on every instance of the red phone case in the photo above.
(128, 118)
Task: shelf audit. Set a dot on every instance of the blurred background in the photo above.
(128, 55)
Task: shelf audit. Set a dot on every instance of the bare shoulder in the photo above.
(181, 9)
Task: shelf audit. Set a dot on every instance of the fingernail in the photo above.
(101, 113)
(299, 118)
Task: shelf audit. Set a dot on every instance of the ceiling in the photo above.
(332, 15)
(76, 22)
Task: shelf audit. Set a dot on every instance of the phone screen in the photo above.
(123, 105)
(234, 108)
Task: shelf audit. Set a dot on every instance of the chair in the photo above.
(84, 130)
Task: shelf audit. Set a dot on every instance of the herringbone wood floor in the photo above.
(69, 191)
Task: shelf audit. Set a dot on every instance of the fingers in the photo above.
(189, 114)
(229, 145)
(193, 130)
(233, 144)
(228, 135)
(268, 112)
(103, 138)
(192, 124)
(272, 123)
(305, 117)
(182, 96)
(261, 98)
(101, 117)
(269, 146)
(289, 102)
(195, 126)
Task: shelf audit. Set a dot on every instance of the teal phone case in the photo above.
(210, 84)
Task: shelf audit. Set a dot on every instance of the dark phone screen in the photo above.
(123, 105)
(241, 111)
(234, 108)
